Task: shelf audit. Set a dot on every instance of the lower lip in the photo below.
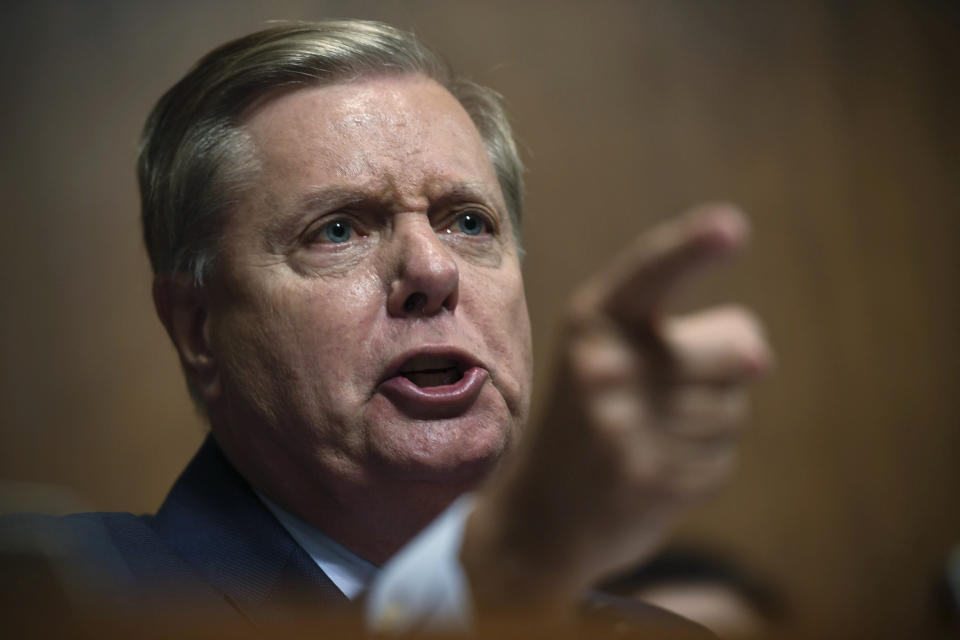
(431, 403)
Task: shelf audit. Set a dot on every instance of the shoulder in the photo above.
(84, 534)
(114, 555)
(102, 571)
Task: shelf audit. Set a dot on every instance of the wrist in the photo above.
(513, 566)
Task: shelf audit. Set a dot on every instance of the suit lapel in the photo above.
(216, 523)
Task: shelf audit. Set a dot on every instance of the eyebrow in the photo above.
(330, 197)
(280, 231)
(464, 192)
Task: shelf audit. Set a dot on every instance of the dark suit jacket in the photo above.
(212, 549)
(212, 552)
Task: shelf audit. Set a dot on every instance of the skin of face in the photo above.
(373, 229)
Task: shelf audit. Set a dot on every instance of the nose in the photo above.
(426, 277)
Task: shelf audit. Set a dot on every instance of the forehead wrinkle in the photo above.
(395, 157)
(402, 132)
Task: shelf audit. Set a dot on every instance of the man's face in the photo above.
(367, 313)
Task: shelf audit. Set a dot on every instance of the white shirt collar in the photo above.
(351, 573)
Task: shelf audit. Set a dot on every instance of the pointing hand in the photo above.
(644, 421)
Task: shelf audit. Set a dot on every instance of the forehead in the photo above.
(401, 133)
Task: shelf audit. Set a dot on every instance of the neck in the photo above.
(376, 526)
(374, 517)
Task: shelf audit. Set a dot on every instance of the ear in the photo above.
(183, 309)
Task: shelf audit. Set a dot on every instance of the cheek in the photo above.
(333, 322)
(252, 375)
(300, 346)
(507, 330)
(523, 349)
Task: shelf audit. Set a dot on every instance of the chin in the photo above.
(462, 454)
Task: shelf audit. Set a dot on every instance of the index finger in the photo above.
(633, 288)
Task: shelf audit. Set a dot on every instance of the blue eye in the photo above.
(338, 231)
(471, 224)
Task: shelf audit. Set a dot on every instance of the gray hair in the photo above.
(192, 164)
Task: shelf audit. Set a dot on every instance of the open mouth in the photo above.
(432, 371)
(433, 383)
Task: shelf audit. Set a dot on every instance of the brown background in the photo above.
(834, 124)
